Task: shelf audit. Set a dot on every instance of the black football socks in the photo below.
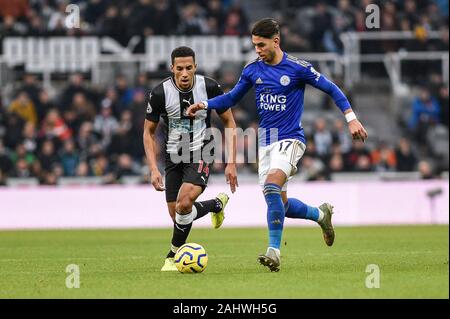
(181, 229)
(208, 206)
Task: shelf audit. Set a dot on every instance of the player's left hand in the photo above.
(357, 131)
(231, 176)
(194, 108)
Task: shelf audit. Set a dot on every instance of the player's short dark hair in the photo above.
(182, 52)
(266, 28)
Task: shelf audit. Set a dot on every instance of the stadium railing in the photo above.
(47, 56)
(353, 58)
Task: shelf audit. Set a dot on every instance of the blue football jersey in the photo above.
(279, 96)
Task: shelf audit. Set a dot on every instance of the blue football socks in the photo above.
(297, 209)
(275, 214)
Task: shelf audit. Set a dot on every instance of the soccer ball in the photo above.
(191, 258)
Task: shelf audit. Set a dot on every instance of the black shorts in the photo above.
(177, 174)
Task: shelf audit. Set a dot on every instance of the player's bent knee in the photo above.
(276, 176)
(184, 204)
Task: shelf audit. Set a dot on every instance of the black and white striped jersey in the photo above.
(169, 102)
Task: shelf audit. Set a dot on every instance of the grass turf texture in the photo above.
(413, 262)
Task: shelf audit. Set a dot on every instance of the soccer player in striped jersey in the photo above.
(189, 147)
(279, 80)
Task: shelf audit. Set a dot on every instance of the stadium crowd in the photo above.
(86, 130)
(91, 131)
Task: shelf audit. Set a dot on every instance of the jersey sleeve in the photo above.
(319, 81)
(155, 105)
(227, 100)
(214, 89)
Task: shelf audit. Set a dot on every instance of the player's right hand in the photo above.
(357, 131)
(194, 108)
(157, 181)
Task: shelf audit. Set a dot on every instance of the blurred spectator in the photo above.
(56, 24)
(192, 21)
(44, 104)
(125, 166)
(124, 92)
(100, 165)
(383, 158)
(312, 168)
(31, 87)
(76, 85)
(216, 17)
(336, 163)
(142, 83)
(24, 108)
(112, 99)
(353, 161)
(235, 22)
(69, 158)
(165, 18)
(137, 110)
(29, 137)
(293, 41)
(406, 160)
(48, 178)
(10, 28)
(425, 112)
(342, 136)
(22, 153)
(14, 126)
(83, 169)
(363, 164)
(105, 125)
(83, 108)
(21, 169)
(113, 25)
(47, 156)
(87, 141)
(320, 23)
(425, 170)
(6, 165)
(54, 126)
(322, 138)
(141, 14)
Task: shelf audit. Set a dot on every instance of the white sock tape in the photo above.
(184, 219)
(350, 116)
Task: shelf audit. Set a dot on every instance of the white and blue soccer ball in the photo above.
(191, 258)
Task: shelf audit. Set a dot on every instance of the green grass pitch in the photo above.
(413, 263)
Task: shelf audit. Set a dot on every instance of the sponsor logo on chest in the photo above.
(272, 102)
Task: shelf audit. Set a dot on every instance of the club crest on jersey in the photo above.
(285, 80)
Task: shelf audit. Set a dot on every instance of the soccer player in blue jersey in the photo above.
(279, 81)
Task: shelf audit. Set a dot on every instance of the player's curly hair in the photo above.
(182, 52)
(266, 28)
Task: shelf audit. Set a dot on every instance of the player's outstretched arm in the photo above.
(231, 144)
(224, 101)
(150, 152)
(355, 127)
(319, 81)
